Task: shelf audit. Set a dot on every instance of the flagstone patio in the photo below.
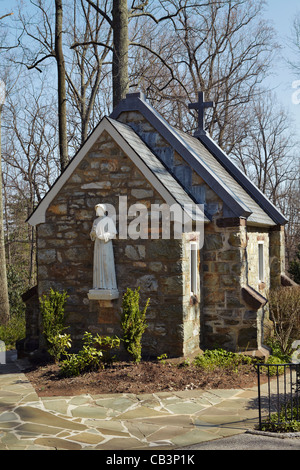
(165, 420)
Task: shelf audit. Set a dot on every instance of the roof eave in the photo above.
(242, 179)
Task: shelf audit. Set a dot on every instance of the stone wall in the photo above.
(190, 180)
(277, 255)
(159, 267)
(228, 321)
(256, 236)
(225, 318)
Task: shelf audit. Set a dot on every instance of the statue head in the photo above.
(100, 209)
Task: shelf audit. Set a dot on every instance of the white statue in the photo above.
(104, 274)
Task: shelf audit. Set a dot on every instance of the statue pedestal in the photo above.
(103, 294)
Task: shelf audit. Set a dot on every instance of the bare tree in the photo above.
(61, 85)
(221, 48)
(81, 61)
(118, 21)
(89, 37)
(268, 152)
(50, 45)
(30, 167)
(4, 301)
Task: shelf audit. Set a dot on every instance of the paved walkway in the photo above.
(162, 421)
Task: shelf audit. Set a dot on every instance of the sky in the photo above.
(281, 13)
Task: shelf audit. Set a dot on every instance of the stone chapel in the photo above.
(214, 296)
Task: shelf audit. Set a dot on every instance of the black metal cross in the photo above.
(200, 106)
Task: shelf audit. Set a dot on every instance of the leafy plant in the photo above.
(284, 421)
(162, 358)
(107, 344)
(277, 351)
(277, 369)
(87, 359)
(13, 331)
(215, 358)
(90, 357)
(53, 319)
(133, 323)
(58, 345)
(15, 328)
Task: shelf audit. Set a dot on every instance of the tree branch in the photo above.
(87, 43)
(105, 15)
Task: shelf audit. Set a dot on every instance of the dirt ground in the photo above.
(145, 377)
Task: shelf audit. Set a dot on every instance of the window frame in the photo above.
(261, 262)
(194, 268)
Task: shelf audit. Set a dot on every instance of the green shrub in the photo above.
(16, 285)
(272, 371)
(215, 358)
(90, 357)
(284, 421)
(53, 320)
(13, 331)
(133, 323)
(277, 350)
(58, 345)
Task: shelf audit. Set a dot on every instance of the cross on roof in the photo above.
(200, 106)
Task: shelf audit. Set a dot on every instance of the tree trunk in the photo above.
(62, 103)
(4, 302)
(120, 53)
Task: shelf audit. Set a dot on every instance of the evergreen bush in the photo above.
(53, 319)
(133, 323)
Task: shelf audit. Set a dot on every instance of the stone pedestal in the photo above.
(103, 294)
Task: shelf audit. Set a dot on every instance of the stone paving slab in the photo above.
(166, 420)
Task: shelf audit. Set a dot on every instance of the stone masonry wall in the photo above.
(225, 318)
(277, 255)
(229, 322)
(159, 267)
(255, 237)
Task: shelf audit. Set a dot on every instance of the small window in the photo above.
(261, 273)
(193, 270)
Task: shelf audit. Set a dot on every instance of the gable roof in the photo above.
(237, 191)
(151, 167)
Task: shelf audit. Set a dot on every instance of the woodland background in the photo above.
(66, 63)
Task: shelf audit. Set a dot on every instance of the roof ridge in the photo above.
(137, 102)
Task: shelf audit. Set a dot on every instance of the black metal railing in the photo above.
(278, 392)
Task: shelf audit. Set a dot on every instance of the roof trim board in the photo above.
(107, 124)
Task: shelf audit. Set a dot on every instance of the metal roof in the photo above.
(151, 167)
(238, 192)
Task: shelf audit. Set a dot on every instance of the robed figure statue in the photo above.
(104, 274)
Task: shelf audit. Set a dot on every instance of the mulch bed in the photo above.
(145, 377)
